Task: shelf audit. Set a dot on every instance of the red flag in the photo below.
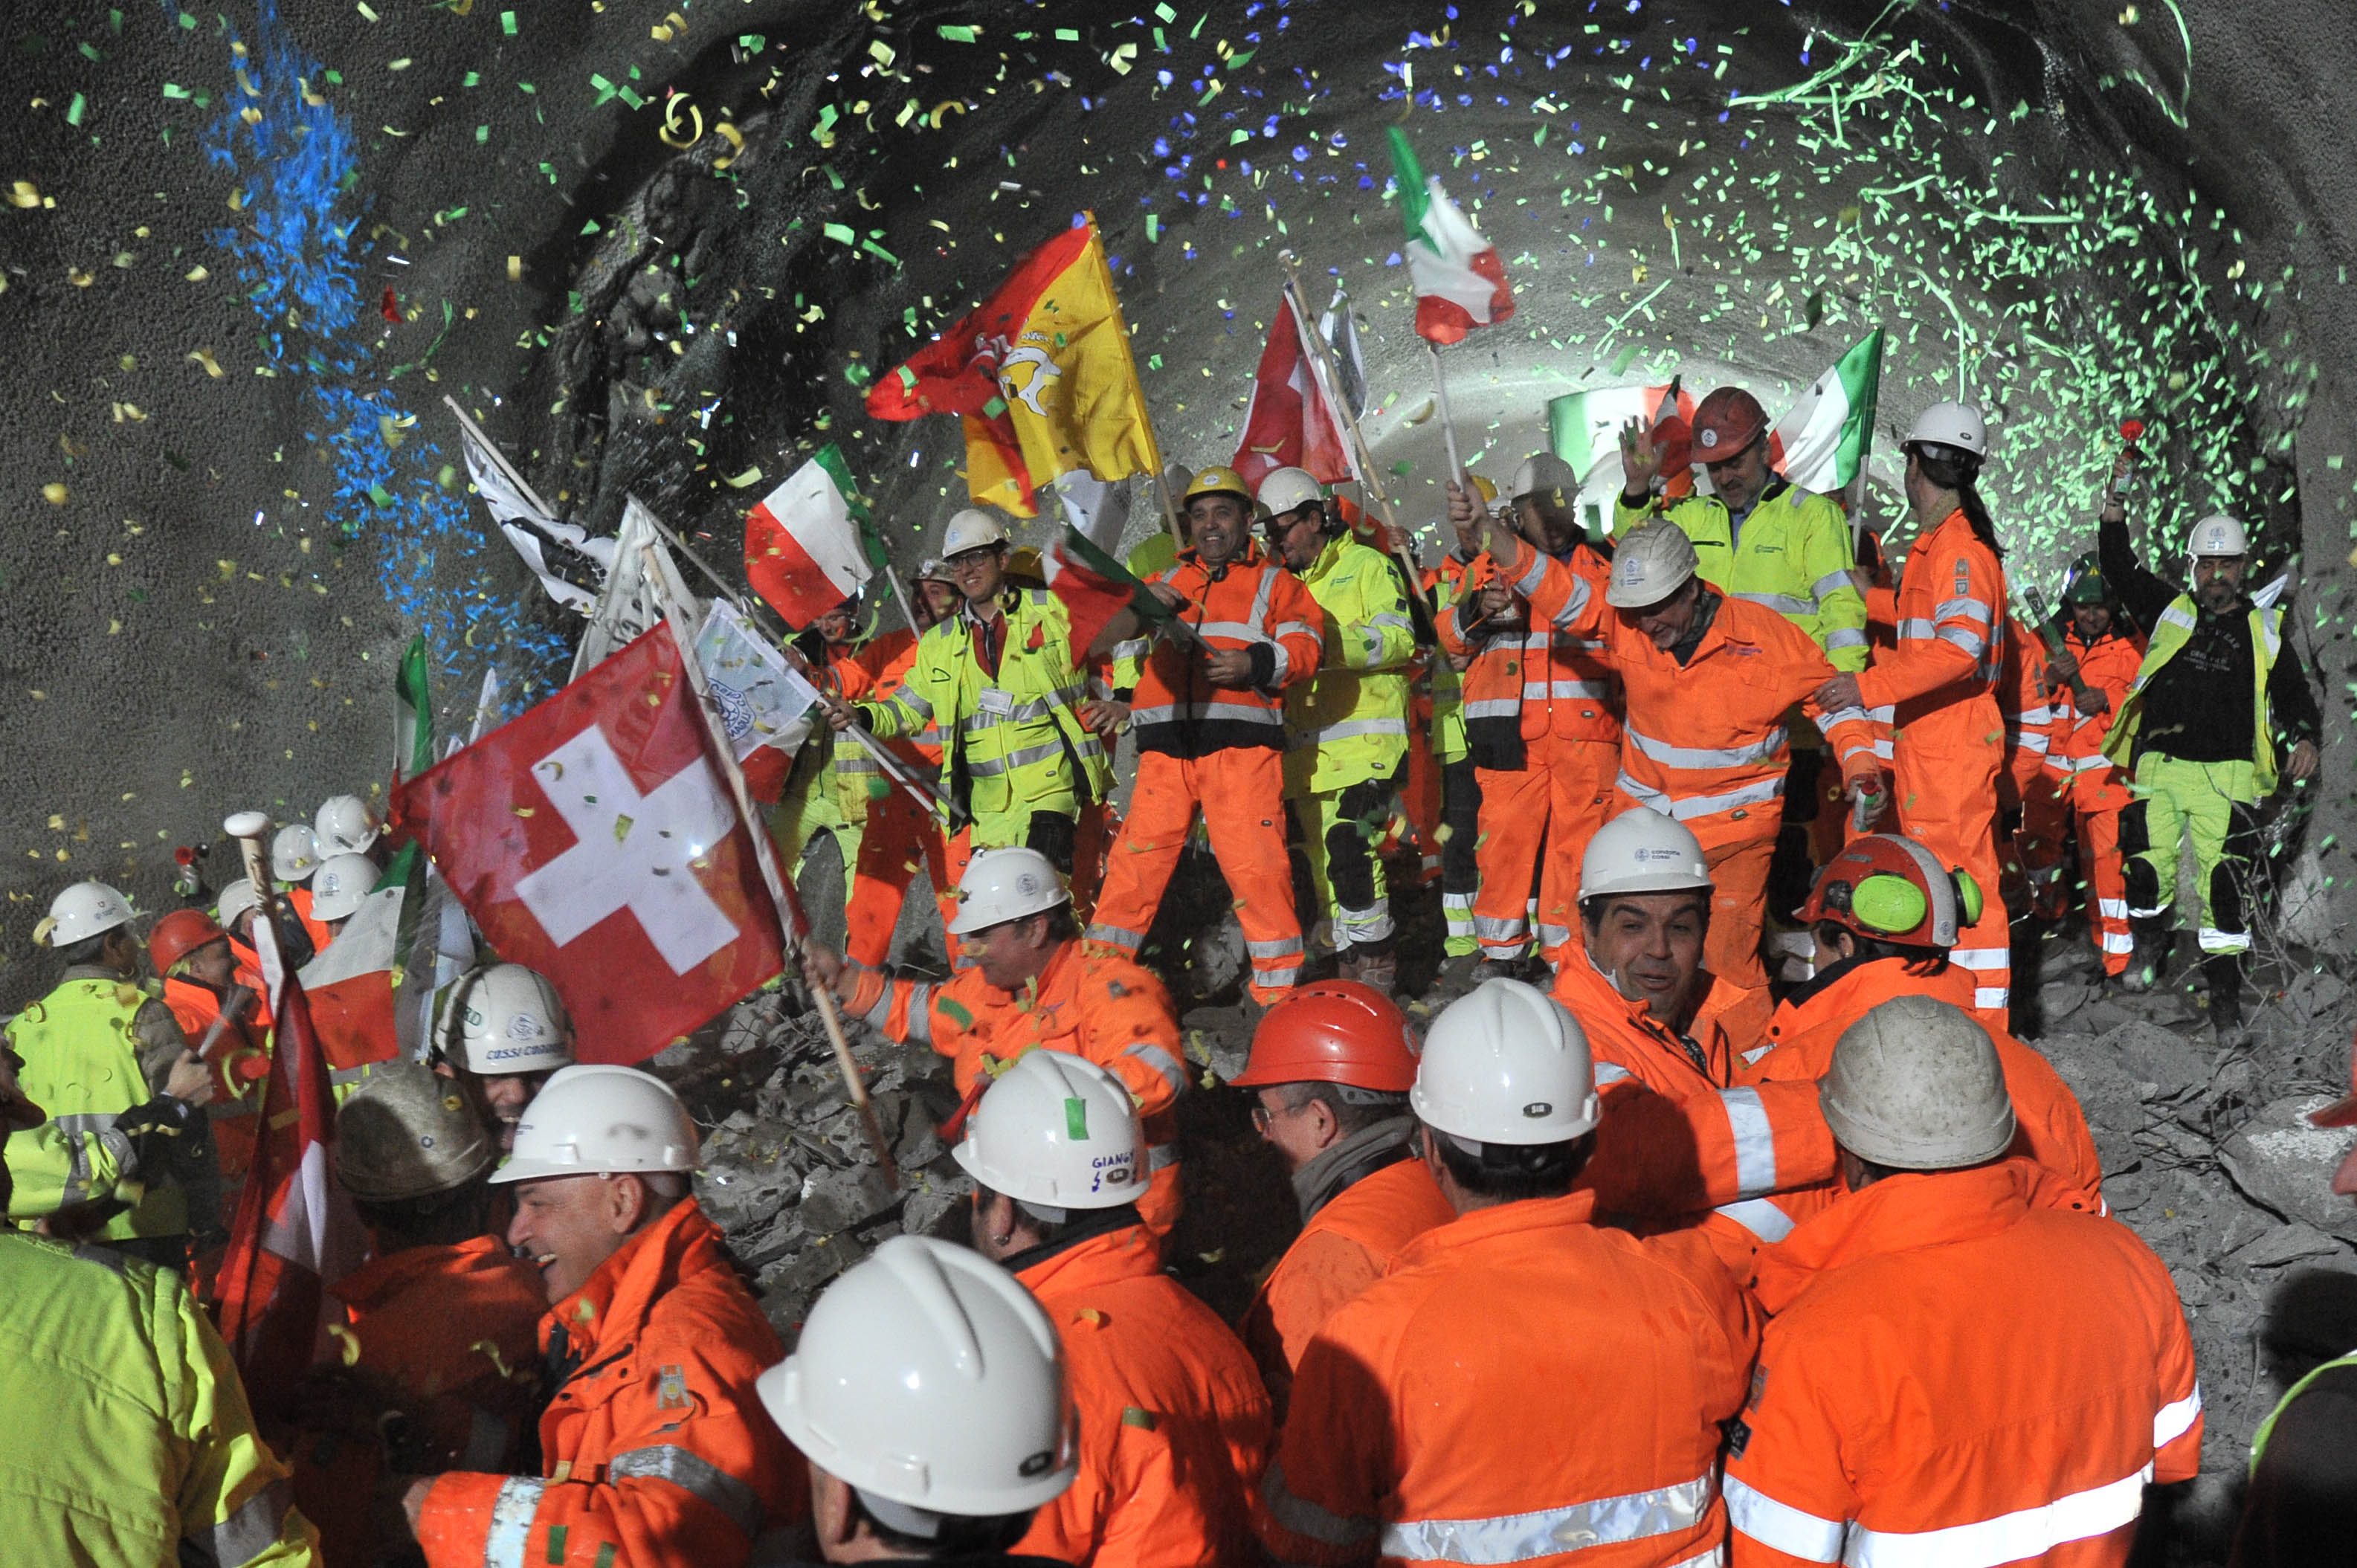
(1290, 425)
(296, 1231)
(594, 840)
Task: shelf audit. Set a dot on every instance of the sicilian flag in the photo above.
(1291, 423)
(1461, 283)
(296, 1232)
(807, 545)
(1821, 444)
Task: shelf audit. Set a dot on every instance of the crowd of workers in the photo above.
(1639, 1253)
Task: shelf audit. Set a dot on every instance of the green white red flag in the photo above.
(1460, 282)
(1821, 444)
(808, 546)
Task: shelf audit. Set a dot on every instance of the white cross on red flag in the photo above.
(594, 839)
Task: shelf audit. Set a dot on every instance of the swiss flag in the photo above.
(594, 840)
(1290, 425)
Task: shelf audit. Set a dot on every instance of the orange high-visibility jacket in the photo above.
(2108, 665)
(1173, 1421)
(298, 898)
(1523, 1387)
(240, 1059)
(1952, 1375)
(1705, 741)
(1096, 1005)
(1343, 1247)
(1524, 684)
(1251, 603)
(2050, 1126)
(656, 1446)
(874, 673)
(1679, 1136)
(453, 1334)
(1946, 667)
(2027, 714)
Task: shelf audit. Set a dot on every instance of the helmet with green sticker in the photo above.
(1889, 887)
(1057, 1132)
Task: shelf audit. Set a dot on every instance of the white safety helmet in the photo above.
(1057, 1132)
(597, 1119)
(345, 825)
(1288, 490)
(295, 853)
(1544, 478)
(933, 1384)
(1956, 425)
(1650, 563)
(84, 910)
(237, 901)
(341, 886)
(1507, 1064)
(2218, 535)
(1641, 851)
(1916, 1085)
(1001, 885)
(971, 529)
(933, 569)
(510, 1021)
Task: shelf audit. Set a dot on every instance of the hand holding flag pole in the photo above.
(792, 927)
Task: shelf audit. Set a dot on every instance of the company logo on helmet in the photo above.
(1654, 852)
(503, 1053)
(522, 1026)
(1538, 1108)
(1709, 439)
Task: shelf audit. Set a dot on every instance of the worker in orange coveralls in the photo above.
(1173, 1421)
(655, 1448)
(1707, 679)
(440, 1367)
(1031, 983)
(1209, 708)
(1954, 1372)
(1937, 688)
(2091, 677)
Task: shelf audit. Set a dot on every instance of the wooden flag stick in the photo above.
(499, 458)
(723, 757)
(1448, 423)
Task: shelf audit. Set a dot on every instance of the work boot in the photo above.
(2223, 974)
(2154, 939)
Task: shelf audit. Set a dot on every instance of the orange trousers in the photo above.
(1538, 819)
(1240, 792)
(900, 836)
(1945, 766)
(1738, 909)
(2096, 810)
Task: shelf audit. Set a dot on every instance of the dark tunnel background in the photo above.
(661, 247)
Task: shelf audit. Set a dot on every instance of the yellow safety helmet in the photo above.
(1024, 565)
(1220, 481)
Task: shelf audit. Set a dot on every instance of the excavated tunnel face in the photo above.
(665, 251)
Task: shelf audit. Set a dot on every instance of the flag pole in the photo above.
(724, 756)
(937, 805)
(1447, 423)
(500, 460)
(1330, 387)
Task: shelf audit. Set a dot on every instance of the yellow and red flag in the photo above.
(1041, 376)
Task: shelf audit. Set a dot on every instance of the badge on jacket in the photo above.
(671, 1389)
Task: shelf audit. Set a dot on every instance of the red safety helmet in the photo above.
(1891, 888)
(1726, 422)
(178, 934)
(2343, 1113)
(1334, 1031)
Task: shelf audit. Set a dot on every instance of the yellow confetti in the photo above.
(54, 493)
(24, 193)
(670, 133)
(515, 269)
(205, 356)
(195, 275)
(735, 138)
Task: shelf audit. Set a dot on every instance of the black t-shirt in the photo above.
(2301, 1511)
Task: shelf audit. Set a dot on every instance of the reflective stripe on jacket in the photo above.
(128, 1438)
(1953, 1375)
(1544, 680)
(81, 1046)
(2050, 1127)
(1349, 722)
(1705, 741)
(1949, 638)
(1794, 558)
(656, 1446)
(1251, 603)
(1173, 1421)
(877, 671)
(1427, 1427)
(2107, 665)
(1013, 739)
(1447, 587)
(2168, 638)
(2028, 713)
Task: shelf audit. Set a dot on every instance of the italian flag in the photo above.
(1461, 283)
(350, 985)
(807, 545)
(1821, 444)
(1095, 587)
